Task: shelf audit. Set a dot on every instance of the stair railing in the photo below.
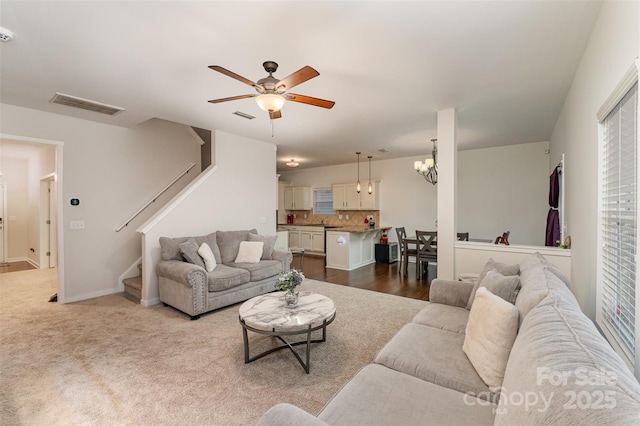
(119, 228)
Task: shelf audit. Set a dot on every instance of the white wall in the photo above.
(15, 176)
(504, 189)
(406, 199)
(239, 192)
(498, 189)
(113, 171)
(612, 48)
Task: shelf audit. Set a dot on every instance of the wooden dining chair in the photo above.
(427, 250)
(463, 236)
(402, 235)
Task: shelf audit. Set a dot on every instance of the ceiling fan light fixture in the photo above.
(270, 102)
(292, 164)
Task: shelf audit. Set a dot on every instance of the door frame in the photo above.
(5, 232)
(48, 210)
(59, 214)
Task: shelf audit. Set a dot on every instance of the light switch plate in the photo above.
(76, 224)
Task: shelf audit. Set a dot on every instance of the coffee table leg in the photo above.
(246, 345)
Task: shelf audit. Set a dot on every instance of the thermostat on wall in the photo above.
(75, 202)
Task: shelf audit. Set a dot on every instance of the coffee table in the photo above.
(267, 314)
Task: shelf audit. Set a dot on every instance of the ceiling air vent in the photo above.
(75, 102)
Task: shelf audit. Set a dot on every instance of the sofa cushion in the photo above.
(536, 281)
(225, 277)
(557, 352)
(492, 265)
(506, 287)
(249, 252)
(433, 355)
(261, 270)
(229, 243)
(207, 255)
(444, 317)
(491, 331)
(378, 395)
(269, 244)
(189, 251)
(170, 247)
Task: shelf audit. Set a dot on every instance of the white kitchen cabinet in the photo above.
(298, 198)
(346, 197)
(351, 250)
(310, 238)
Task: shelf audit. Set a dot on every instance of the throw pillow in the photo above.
(189, 250)
(491, 331)
(505, 287)
(503, 268)
(269, 243)
(250, 252)
(208, 257)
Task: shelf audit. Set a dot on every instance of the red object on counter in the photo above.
(290, 219)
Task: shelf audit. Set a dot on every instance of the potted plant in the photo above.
(288, 281)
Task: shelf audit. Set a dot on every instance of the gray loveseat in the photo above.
(190, 288)
(560, 370)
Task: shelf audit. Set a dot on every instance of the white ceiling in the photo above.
(505, 66)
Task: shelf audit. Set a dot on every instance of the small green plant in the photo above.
(289, 280)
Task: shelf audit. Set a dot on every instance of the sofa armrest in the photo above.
(449, 292)
(283, 256)
(289, 415)
(182, 272)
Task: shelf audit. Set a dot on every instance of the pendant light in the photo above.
(358, 183)
(370, 190)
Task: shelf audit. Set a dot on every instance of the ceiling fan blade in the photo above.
(275, 114)
(232, 98)
(232, 75)
(309, 100)
(300, 76)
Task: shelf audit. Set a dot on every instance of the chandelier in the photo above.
(429, 167)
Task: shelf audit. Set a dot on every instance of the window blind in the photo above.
(618, 205)
(323, 202)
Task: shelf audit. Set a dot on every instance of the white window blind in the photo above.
(323, 202)
(618, 225)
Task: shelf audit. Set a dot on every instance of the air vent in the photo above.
(243, 115)
(75, 102)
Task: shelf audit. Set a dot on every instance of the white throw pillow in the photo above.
(207, 255)
(250, 252)
(491, 330)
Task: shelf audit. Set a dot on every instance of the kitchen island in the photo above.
(352, 247)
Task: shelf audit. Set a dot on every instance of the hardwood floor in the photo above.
(379, 277)
(15, 266)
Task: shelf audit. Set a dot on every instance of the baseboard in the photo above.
(93, 295)
(149, 302)
(33, 263)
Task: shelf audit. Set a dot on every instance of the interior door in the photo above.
(3, 211)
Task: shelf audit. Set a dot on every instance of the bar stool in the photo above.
(298, 251)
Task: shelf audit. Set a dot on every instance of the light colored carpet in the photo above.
(108, 361)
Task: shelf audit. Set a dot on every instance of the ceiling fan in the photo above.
(272, 93)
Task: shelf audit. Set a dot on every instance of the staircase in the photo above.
(133, 286)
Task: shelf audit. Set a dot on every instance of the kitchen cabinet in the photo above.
(349, 250)
(345, 196)
(297, 198)
(310, 238)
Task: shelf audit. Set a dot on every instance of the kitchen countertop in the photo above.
(359, 229)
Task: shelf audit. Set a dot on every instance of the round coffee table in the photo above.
(267, 314)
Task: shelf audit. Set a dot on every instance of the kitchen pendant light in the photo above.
(370, 190)
(358, 183)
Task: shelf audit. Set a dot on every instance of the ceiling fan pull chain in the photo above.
(271, 127)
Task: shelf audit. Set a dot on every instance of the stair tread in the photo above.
(135, 282)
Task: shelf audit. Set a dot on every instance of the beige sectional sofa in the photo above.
(559, 371)
(185, 284)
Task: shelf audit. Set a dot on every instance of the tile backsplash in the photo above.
(356, 217)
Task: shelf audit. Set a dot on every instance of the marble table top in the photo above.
(269, 311)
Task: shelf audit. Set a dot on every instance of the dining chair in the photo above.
(463, 236)
(404, 257)
(427, 250)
